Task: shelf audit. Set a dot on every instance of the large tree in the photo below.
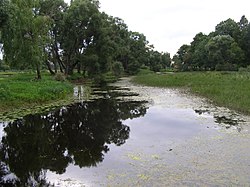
(228, 27)
(54, 11)
(24, 35)
(223, 49)
(199, 57)
(77, 31)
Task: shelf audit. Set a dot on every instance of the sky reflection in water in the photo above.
(85, 141)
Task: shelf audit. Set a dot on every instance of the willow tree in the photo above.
(54, 11)
(24, 35)
(77, 33)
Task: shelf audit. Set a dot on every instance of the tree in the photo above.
(199, 57)
(223, 49)
(138, 52)
(77, 33)
(244, 41)
(4, 12)
(247, 44)
(54, 11)
(183, 57)
(109, 42)
(165, 60)
(24, 36)
(228, 27)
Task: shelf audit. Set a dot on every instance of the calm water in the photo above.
(118, 139)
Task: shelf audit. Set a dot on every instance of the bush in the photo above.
(226, 67)
(3, 66)
(60, 77)
(247, 69)
(117, 69)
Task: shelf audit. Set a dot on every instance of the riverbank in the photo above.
(20, 91)
(222, 88)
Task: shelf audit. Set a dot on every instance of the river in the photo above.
(128, 135)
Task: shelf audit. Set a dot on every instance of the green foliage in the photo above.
(60, 77)
(4, 66)
(247, 69)
(227, 48)
(110, 77)
(22, 89)
(75, 76)
(226, 67)
(4, 12)
(118, 69)
(44, 33)
(158, 61)
(24, 35)
(222, 49)
(226, 89)
(4, 91)
(228, 27)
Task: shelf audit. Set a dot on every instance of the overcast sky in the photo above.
(168, 24)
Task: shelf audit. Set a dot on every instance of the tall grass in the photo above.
(230, 89)
(22, 89)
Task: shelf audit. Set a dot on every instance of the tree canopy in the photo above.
(226, 48)
(68, 38)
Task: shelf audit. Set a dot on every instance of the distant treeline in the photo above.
(68, 38)
(227, 48)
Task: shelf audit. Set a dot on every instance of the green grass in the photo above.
(21, 89)
(229, 89)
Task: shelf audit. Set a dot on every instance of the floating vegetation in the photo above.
(155, 157)
(143, 177)
(136, 157)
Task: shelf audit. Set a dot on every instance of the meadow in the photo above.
(229, 89)
(23, 90)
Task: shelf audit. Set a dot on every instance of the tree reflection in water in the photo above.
(78, 134)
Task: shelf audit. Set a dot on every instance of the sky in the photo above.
(168, 24)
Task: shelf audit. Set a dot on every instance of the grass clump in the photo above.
(19, 90)
(230, 89)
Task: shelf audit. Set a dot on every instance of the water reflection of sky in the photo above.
(2, 133)
(154, 136)
(156, 133)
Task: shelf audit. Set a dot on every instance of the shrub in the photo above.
(226, 67)
(60, 77)
(117, 69)
(247, 69)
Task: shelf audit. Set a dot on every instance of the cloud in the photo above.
(170, 23)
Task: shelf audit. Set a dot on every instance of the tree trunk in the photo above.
(69, 70)
(57, 56)
(38, 72)
(55, 66)
(69, 67)
(84, 71)
(61, 68)
(49, 68)
(78, 67)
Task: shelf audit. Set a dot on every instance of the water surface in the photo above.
(128, 135)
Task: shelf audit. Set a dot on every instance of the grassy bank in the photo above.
(18, 90)
(225, 89)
